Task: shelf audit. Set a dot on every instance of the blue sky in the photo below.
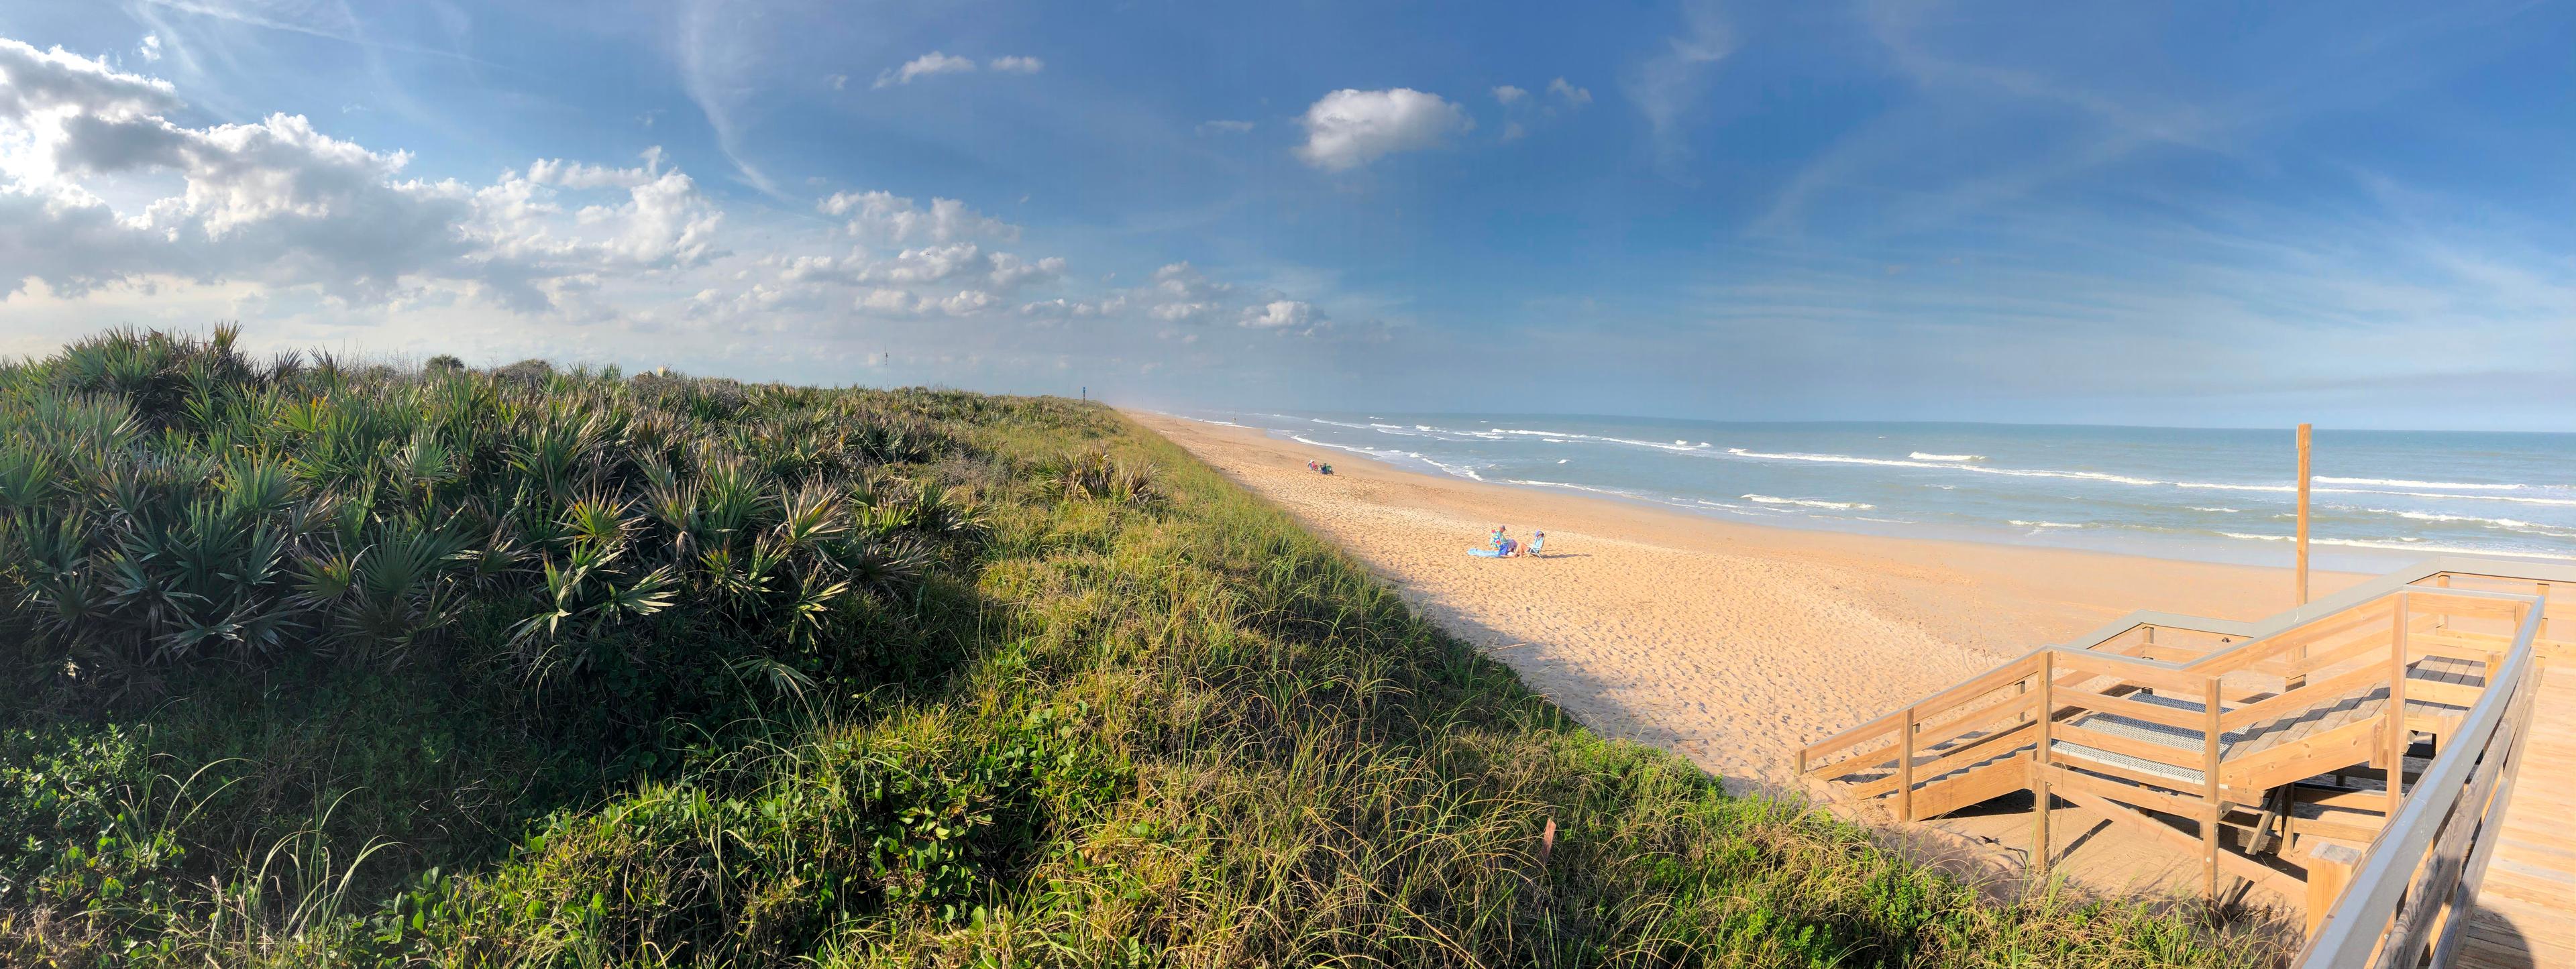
(2362, 215)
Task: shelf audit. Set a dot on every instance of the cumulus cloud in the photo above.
(886, 217)
(1350, 128)
(964, 302)
(104, 198)
(1571, 95)
(1016, 65)
(1281, 314)
(150, 48)
(1507, 94)
(925, 66)
(280, 202)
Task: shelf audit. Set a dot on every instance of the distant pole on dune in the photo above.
(2306, 431)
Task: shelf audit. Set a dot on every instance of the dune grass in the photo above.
(311, 662)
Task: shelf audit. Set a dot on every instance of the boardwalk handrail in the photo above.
(2229, 658)
(2416, 886)
(2405, 884)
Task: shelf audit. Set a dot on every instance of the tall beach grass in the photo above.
(312, 661)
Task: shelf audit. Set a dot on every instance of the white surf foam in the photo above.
(2402, 545)
(1951, 466)
(1920, 456)
(1809, 502)
(2404, 483)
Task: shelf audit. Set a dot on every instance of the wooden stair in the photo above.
(2195, 742)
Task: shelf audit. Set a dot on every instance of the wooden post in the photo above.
(2397, 732)
(2039, 796)
(1905, 769)
(2330, 867)
(2305, 431)
(2541, 629)
(2215, 807)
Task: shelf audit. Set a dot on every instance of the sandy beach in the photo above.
(1733, 644)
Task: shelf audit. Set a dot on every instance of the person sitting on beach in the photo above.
(1537, 541)
(1328, 469)
(1505, 548)
(1495, 540)
(1310, 466)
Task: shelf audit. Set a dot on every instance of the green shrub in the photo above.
(321, 663)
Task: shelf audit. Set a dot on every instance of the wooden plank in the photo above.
(2343, 746)
(1986, 748)
(2301, 698)
(2040, 798)
(2422, 599)
(2062, 779)
(2132, 709)
(1973, 687)
(2210, 734)
(1974, 787)
(2446, 694)
(1905, 768)
(2233, 863)
(1934, 737)
(2161, 676)
(2397, 732)
(2077, 733)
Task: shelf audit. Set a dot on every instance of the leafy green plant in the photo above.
(547, 666)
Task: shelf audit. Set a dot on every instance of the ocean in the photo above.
(2379, 498)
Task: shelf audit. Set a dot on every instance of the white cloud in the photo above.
(965, 302)
(925, 66)
(1224, 127)
(1011, 272)
(1181, 281)
(1514, 131)
(1508, 94)
(1668, 84)
(150, 48)
(280, 202)
(1061, 307)
(839, 82)
(1349, 128)
(1016, 65)
(111, 212)
(1573, 96)
(1280, 314)
(884, 216)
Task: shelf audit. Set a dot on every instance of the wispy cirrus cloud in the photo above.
(1667, 86)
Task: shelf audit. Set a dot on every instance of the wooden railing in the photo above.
(2409, 904)
(2363, 639)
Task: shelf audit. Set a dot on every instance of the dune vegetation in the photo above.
(313, 661)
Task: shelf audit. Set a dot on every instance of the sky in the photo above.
(2362, 215)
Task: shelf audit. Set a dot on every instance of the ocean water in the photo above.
(2379, 498)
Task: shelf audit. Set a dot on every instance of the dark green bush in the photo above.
(311, 662)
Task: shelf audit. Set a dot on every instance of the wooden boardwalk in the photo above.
(2526, 916)
(2265, 751)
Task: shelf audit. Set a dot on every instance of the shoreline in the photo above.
(1730, 643)
(2257, 548)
